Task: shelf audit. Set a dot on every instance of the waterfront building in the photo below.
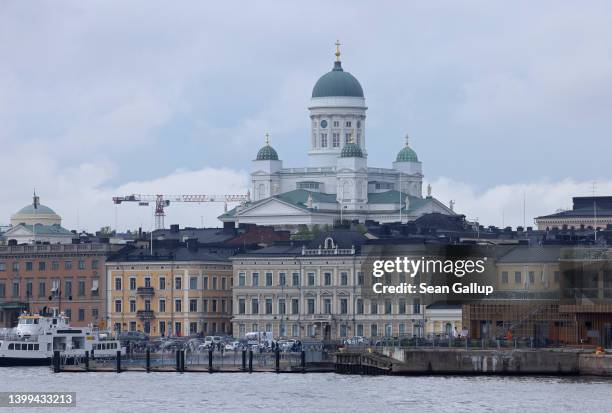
(548, 294)
(337, 183)
(586, 212)
(65, 276)
(37, 223)
(183, 284)
(320, 289)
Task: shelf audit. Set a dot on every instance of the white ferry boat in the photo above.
(37, 336)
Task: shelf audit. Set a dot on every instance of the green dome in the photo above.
(337, 83)
(407, 155)
(351, 150)
(267, 153)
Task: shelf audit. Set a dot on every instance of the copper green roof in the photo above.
(267, 153)
(337, 83)
(407, 154)
(351, 150)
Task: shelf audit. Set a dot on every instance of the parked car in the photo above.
(232, 346)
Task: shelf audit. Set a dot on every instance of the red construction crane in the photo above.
(162, 201)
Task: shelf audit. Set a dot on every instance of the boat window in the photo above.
(30, 346)
(17, 346)
(36, 347)
(36, 321)
(11, 346)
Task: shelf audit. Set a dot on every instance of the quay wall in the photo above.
(456, 361)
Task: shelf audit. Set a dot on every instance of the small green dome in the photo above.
(407, 155)
(337, 83)
(351, 150)
(267, 153)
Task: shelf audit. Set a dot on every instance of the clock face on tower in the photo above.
(323, 124)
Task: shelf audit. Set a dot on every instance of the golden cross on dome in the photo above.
(337, 50)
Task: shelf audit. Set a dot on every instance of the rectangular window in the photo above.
(343, 330)
(162, 283)
(68, 288)
(295, 279)
(147, 282)
(335, 139)
(348, 123)
(117, 306)
(359, 330)
(205, 306)
(268, 279)
(132, 283)
(241, 306)
(241, 279)
(193, 283)
(81, 287)
(67, 265)
(416, 306)
(328, 278)
(214, 306)
(178, 305)
(162, 306)
(94, 264)
(178, 283)
(117, 284)
(359, 306)
(295, 330)
(374, 330)
(214, 283)
(311, 306)
(29, 266)
(193, 305)
(223, 283)
(30, 289)
(132, 306)
(81, 264)
(41, 266)
(281, 306)
(504, 277)
(94, 313)
(15, 289)
(81, 314)
(295, 306)
(517, 277)
(343, 306)
(531, 277)
(324, 140)
(193, 328)
(311, 278)
(373, 307)
(42, 288)
(282, 278)
(2, 266)
(388, 306)
(15, 266)
(55, 265)
(255, 279)
(2, 290)
(360, 278)
(402, 306)
(268, 306)
(254, 306)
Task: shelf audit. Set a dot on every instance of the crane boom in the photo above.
(162, 201)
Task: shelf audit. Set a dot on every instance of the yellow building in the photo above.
(182, 289)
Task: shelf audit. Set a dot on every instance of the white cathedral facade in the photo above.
(337, 183)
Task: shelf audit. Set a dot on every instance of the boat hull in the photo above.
(18, 361)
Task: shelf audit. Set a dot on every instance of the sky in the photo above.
(504, 102)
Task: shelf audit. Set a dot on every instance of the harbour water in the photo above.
(155, 392)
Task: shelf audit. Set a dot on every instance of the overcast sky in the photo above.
(104, 98)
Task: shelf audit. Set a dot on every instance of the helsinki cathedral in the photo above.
(337, 183)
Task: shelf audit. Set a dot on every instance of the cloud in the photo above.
(502, 205)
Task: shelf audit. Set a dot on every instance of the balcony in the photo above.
(145, 291)
(318, 317)
(145, 314)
